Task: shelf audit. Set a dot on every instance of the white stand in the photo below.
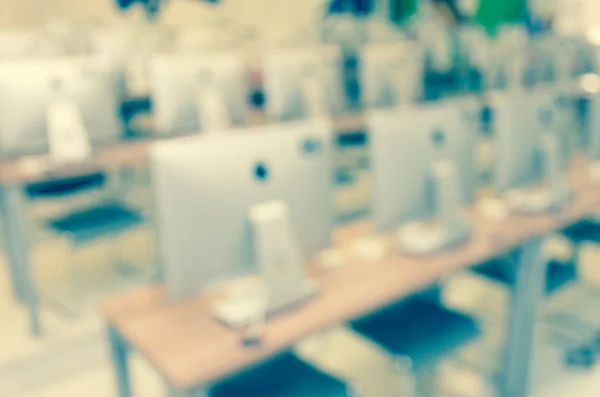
(212, 110)
(67, 135)
(555, 195)
(453, 227)
(594, 172)
(405, 83)
(280, 262)
(315, 104)
(137, 75)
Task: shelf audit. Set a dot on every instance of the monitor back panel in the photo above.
(518, 128)
(176, 82)
(283, 71)
(204, 187)
(27, 90)
(403, 148)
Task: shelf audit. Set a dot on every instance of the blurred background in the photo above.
(78, 233)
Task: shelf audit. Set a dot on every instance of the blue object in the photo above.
(344, 177)
(419, 329)
(352, 139)
(88, 224)
(558, 275)
(355, 7)
(581, 357)
(283, 376)
(134, 106)
(62, 187)
(586, 231)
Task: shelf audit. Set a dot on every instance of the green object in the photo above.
(493, 13)
(401, 10)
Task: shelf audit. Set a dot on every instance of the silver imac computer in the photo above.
(424, 173)
(303, 82)
(63, 105)
(198, 92)
(390, 74)
(532, 150)
(257, 201)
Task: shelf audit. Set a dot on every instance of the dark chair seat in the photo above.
(134, 106)
(422, 330)
(558, 275)
(585, 231)
(283, 376)
(95, 222)
(58, 188)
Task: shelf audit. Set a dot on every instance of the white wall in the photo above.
(266, 14)
(578, 16)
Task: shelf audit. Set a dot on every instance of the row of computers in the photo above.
(190, 94)
(193, 92)
(260, 199)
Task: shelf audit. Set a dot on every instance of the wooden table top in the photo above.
(191, 349)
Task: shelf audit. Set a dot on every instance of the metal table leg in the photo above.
(119, 350)
(16, 245)
(197, 392)
(525, 298)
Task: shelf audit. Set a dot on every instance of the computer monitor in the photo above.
(521, 120)
(29, 87)
(130, 49)
(405, 143)
(390, 74)
(288, 72)
(204, 188)
(178, 82)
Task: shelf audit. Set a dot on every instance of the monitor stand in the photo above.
(452, 226)
(212, 110)
(405, 80)
(400, 86)
(313, 95)
(280, 263)
(594, 171)
(67, 136)
(554, 194)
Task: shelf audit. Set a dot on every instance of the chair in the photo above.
(85, 223)
(283, 376)
(419, 329)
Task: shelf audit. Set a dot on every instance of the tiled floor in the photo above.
(71, 360)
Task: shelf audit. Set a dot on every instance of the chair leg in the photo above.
(426, 382)
(120, 264)
(68, 304)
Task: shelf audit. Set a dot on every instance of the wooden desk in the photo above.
(192, 350)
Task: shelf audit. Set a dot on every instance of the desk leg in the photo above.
(528, 292)
(16, 245)
(119, 351)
